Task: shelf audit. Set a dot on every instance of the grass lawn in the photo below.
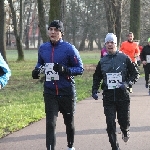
(21, 101)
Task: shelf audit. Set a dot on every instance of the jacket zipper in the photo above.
(113, 69)
(56, 87)
(55, 83)
(52, 54)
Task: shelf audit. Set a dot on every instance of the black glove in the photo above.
(125, 86)
(1, 71)
(35, 73)
(94, 95)
(60, 68)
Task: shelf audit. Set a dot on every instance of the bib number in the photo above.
(148, 58)
(113, 80)
(50, 73)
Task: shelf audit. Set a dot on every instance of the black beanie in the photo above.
(58, 24)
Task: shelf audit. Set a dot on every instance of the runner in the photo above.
(131, 49)
(62, 62)
(145, 58)
(117, 72)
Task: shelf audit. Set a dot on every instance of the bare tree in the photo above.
(57, 10)
(135, 18)
(86, 24)
(21, 20)
(2, 30)
(54, 12)
(63, 10)
(42, 22)
(27, 26)
(18, 40)
(113, 15)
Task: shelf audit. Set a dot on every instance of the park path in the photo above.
(90, 127)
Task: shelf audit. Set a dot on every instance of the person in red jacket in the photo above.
(131, 49)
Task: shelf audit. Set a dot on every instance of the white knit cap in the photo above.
(110, 37)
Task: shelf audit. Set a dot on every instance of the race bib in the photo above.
(50, 73)
(113, 80)
(148, 58)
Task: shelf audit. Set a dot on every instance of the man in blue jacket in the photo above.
(117, 72)
(5, 72)
(62, 62)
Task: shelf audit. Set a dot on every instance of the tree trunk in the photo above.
(82, 44)
(91, 39)
(118, 25)
(18, 41)
(63, 11)
(55, 9)
(2, 30)
(135, 18)
(26, 31)
(110, 15)
(20, 21)
(42, 22)
(113, 14)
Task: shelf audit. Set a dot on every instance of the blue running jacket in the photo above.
(67, 55)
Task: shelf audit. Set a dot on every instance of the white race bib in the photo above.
(148, 58)
(50, 73)
(113, 80)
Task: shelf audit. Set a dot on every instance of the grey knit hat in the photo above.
(110, 37)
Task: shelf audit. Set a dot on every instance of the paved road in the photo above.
(90, 127)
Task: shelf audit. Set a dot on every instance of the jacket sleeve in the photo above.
(142, 55)
(40, 61)
(133, 72)
(5, 72)
(76, 65)
(137, 50)
(97, 77)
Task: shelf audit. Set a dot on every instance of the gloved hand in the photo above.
(60, 68)
(35, 73)
(94, 95)
(123, 85)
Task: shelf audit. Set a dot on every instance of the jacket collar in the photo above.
(57, 43)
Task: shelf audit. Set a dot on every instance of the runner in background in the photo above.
(145, 58)
(131, 49)
(140, 48)
(103, 51)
